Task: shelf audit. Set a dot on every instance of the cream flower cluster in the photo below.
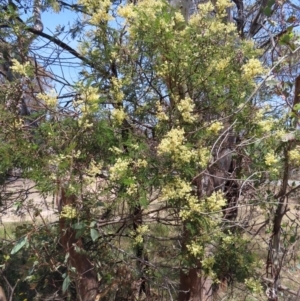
(186, 107)
(212, 205)
(215, 127)
(140, 231)
(178, 17)
(178, 189)
(271, 159)
(203, 156)
(88, 102)
(252, 68)
(173, 144)
(126, 11)
(141, 163)
(160, 114)
(140, 17)
(149, 7)
(204, 9)
(84, 123)
(195, 249)
(216, 25)
(117, 93)
(163, 68)
(222, 64)
(215, 202)
(266, 124)
(115, 150)
(98, 10)
(49, 99)
(254, 285)
(119, 169)
(294, 155)
(118, 115)
(94, 168)
(18, 123)
(222, 5)
(90, 95)
(208, 262)
(60, 158)
(68, 212)
(22, 69)
(192, 208)
(132, 188)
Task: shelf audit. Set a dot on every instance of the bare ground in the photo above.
(22, 202)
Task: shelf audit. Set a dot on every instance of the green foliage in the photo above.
(35, 263)
(234, 261)
(143, 151)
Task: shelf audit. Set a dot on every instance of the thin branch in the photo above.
(280, 287)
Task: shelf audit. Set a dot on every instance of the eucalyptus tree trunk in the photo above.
(193, 285)
(86, 281)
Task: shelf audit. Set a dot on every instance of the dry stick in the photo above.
(263, 81)
(282, 287)
(281, 196)
(298, 293)
(12, 288)
(56, 41)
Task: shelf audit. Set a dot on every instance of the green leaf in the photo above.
(94, 234)
(293, 238)
(286, 38)
(292, 46)
(128, 181)
(19, 245)
(271, 3)
(92, 224)
(268, 11)
(79, 226)
(268, 8)
(66, 284)
(144, 200)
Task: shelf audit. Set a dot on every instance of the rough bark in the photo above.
(86, 280)
(194, 287)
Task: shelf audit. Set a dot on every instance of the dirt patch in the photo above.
(23, 202)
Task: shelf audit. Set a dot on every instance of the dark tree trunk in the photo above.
(274, 257)
(194, 287)
(86, 281)
(141, 254)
